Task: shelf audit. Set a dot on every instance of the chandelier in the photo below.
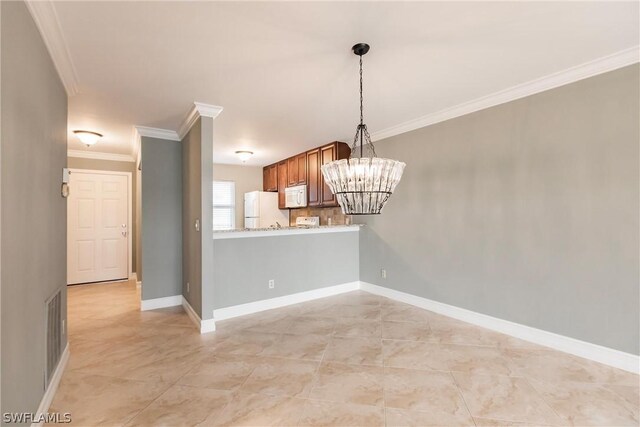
(363, 183)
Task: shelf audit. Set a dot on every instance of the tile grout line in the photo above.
(466, 405)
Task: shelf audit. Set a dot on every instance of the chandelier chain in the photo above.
(361, 98)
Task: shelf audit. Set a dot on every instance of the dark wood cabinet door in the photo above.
(328, 154)
(292, 171)
(265, 178)
(313, 177)
(282, 183)
(270, 178)
(302, 168)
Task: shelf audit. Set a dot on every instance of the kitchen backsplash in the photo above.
(336, 215)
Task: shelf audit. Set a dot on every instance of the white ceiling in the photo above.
(284, 72)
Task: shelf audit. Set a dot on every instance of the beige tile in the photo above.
(478, 360)
(428, 391)
(584, 404)
(319, 413)
(353, 327)
(369, 312)
(260, 410)
(408, 331)
(246, 343)
(182, 405)
(276, 326)
(354, 350)
(281, 377)
(554, 366)
(415, 355)
(220, 371)
(406, 418)
(113, 343)
(630, 393)
(451, 331)
(338, 382)
(487, 422)
(504, 398)
(311, 325)
(404, 313)
(99, 400)
(310, 347)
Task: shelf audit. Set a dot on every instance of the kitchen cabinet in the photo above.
(328, 154)
(297, 170)
(304, 168)
(313, 177)
(282, 183)
(292, 171)
(270, 178)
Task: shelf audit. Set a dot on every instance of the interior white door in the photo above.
(97, 227)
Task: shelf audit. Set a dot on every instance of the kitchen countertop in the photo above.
(284, 231)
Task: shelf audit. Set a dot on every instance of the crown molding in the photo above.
(198, 109)
(570, 75)
(170, 135)
(96, 155)
(46, 19)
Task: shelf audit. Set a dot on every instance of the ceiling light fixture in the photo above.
(244, 155)
(87, 137)
(364, 182)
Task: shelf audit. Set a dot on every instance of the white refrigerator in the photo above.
(261, 210)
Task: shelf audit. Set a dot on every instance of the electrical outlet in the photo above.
(187, 287)
(383, 273)
(272, 284)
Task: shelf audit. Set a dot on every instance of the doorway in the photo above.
(98, 226)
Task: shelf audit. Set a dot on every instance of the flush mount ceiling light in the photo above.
(87, 137)
(364, 182)
(244, 155)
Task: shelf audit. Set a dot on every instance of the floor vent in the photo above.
(54, 334)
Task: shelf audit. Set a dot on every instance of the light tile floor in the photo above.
(352, 359)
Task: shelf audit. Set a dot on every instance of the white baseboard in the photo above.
(268, 304)
(203, 326)
(153, 304)
(133, 276)
(597, 353)
(45, 403)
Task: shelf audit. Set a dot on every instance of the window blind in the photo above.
(224, 205)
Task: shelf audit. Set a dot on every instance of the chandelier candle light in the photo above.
(364, 182)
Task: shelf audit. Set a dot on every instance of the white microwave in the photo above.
(295, 197)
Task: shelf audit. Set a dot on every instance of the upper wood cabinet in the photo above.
(282, 183)
(270, 178)
(327, 155)
(313, 177)
(304, 168)
(297, 170)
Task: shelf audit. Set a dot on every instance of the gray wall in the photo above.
(33, 214)
(197, 246)
(116, 166)
(161, 218)
(243, 267)
(527, 211)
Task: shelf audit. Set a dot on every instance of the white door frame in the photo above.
(129, 209)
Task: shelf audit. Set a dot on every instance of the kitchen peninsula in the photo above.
(279, 267)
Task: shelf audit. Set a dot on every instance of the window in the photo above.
(224, 205)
